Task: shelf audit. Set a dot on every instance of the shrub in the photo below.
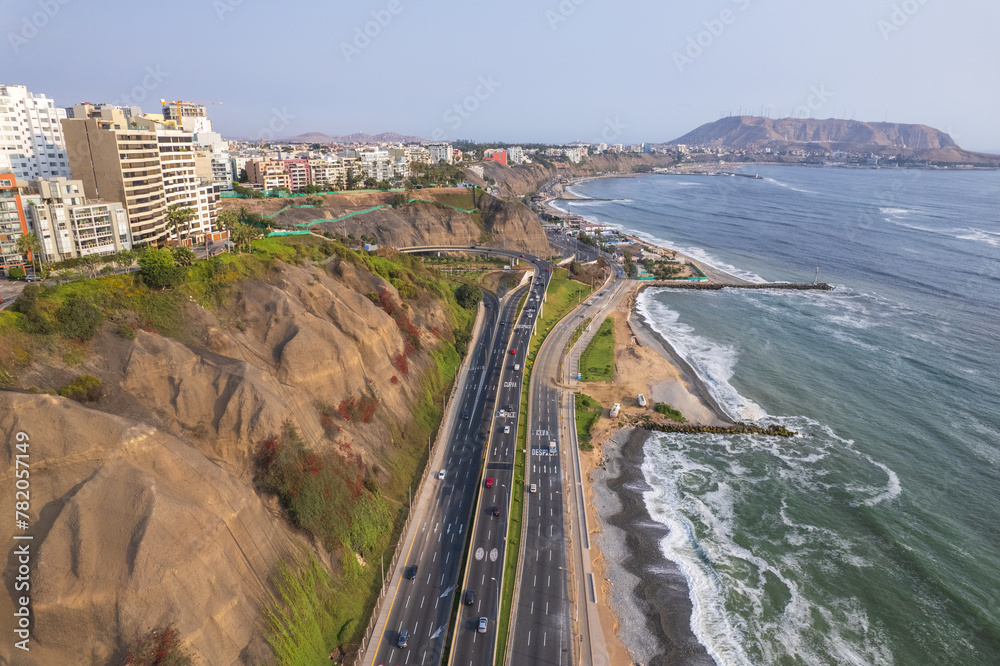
(127, 330)
(669, 412)
(468, 296)
(79, 317)
(15, 273)
(160, 647)
(183, 256)
(158, 270)
(85, 388)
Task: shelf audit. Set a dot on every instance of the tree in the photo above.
(157, 269)
(178, 216)
(15, 273)
(228, 218)
(183, 256)
(370, 183)
(30, 246)
(91, 264)
(243, 235)
(468, 295)
(351, 180)
(124, 258)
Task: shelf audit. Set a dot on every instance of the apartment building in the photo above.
(496, 155)
(377, 164)
(187, 116)
(222, 166)
(419, 155)
(13, 224)
(440, 152)
(328, 174)
(515, 155)
(31, 135)
(184, 187)
(267, 174)
(299, 174)
(68, 226)
(124, 166)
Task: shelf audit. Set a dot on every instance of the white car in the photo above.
(506, 430)
(441, 474)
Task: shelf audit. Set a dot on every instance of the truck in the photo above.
(552, 448)
(615, 409)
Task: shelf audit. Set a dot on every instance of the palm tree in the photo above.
(30, 245)
(178, 216)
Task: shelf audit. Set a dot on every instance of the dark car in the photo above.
(470, 597)
(404, 636)
(496, 511)
(465, 415)
(411, 572)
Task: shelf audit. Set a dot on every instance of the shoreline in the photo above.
(646, 592)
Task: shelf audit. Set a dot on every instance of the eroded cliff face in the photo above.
(143, 510)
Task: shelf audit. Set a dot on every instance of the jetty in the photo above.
(716, 286)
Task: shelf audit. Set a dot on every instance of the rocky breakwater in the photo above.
(647, 422)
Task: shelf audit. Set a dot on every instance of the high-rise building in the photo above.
(328, 175)
(222, 166)
(515, 154)
(495, 155)
(31, 136)
(299, 174)
(124, 166)
(268, 174)
(183, 186)
(13, 224)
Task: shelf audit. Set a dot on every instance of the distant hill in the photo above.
(757, 134)
(357, 137)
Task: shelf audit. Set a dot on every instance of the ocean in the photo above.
(874, 536)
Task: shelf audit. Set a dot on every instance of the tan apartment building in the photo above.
(328, 175)
(268, 175)
(121, 165)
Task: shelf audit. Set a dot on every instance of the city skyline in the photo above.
(553, 73)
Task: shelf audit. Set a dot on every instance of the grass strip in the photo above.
(597, 363)
(588, 412)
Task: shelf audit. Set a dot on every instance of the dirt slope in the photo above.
(143, 510)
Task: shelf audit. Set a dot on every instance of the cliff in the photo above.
(144, 509)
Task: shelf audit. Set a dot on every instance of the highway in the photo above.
(421, 599)
(484, 573)
(422, 605)
(542, 621)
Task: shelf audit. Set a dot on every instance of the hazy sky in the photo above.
(518, 70)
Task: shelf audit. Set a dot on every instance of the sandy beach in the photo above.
(651, 620)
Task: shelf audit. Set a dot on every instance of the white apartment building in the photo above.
(189, 116)
(377, 164)
(184, 188)
(328, 174)
(515, 155)
(440, 152)
(31, 136)
(222, 167)
(419, 154)
(68, 226)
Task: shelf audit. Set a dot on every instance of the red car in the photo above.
(489, 482)
(522, 256)
(513, 351)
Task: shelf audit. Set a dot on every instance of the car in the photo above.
(404, 636)
(441, 474)
(411, 572)
(506, 430)
(546, 270)
(522, 256)
(483, 622)
(510, 407)
(496, 511)
(465, 415)
(534, 488)
(489, 482)
(470, 597)
(32, 278)
(513, 351)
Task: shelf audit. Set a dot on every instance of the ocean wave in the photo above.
(974, 234)
(787, 186)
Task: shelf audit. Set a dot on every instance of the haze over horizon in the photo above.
(518, 72)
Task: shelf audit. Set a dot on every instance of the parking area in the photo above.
(9, 291)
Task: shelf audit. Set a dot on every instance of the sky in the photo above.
(521, 71)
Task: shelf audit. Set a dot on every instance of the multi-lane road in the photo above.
(424, 587)
(484, 573)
